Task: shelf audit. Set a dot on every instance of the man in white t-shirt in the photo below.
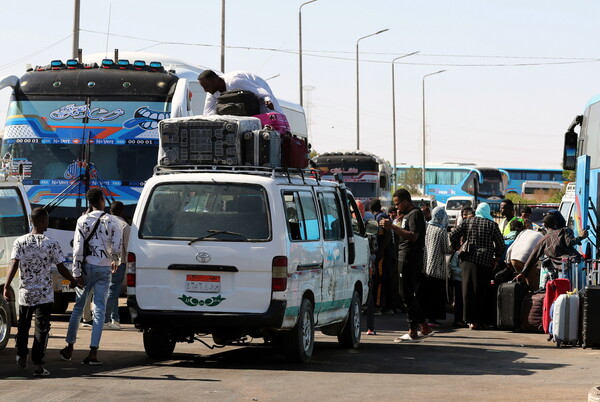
(93, 268)
(215, 85)
(520, 250)
(33, 255)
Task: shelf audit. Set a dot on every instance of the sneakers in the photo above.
(112, 326)
(22, 361)
(371, 332)
(86, 324)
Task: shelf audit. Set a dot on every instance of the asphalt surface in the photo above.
(454, 364)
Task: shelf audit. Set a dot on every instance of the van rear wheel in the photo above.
(158, 344)
(350, 336)
(5, 323)
(298, 344)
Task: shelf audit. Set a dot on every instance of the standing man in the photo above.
(33, 255)
(507, 209)
(96, 255)
(411, 249)
(215, 85)
(112, 319)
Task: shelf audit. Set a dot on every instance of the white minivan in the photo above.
(14, 222)
(240, 252)
(454, 205)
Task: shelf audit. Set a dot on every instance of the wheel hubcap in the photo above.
(3, 325)
(356, 319)
(306, 332)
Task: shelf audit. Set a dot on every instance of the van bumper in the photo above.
(179, 321)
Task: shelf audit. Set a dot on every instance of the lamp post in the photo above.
(423, 167)
(223, 36)
(394, 112)
(300, 46)
(358, 88)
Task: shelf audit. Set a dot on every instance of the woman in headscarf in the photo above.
(486, 247)
(437, 246)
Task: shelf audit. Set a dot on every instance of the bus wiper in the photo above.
(214, 233)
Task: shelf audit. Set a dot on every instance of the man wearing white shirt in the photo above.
(93, 270)
(215, 85)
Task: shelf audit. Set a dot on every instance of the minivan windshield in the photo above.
(207, 212)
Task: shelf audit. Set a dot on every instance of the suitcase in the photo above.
(565, 320)
(590, 320)
(554, 289)
(261, 148)
(532, 311)
(294, 152)
(274, 121)
(510, 299)
(238, 103)
(203, 140)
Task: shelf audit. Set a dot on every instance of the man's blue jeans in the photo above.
(97, 278)
(112, 304)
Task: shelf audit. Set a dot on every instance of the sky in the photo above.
(517, 71)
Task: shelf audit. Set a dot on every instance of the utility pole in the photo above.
(75, 51)
(222, 36)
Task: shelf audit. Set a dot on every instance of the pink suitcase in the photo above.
(275, 121)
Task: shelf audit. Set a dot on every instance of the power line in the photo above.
(327, 54)
(21, 59)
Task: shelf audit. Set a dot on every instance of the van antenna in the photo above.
(108, 30)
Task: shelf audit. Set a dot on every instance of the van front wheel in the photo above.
(158, 345)
(298, 344)
(350, 336)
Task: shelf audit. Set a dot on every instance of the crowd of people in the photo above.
(98, 266)
(421, 268)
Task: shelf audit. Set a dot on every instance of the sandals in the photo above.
(91, 362)
(405, 338)
(422, 335)
(63, 355)
(42, 373)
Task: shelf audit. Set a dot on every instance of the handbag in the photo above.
(86, 241)
(464, 250)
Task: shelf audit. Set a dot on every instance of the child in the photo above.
(33, 255)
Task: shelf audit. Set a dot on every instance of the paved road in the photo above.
(455, 364)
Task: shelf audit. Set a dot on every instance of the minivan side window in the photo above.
(301, 215)
(331, 216)
(13, 217)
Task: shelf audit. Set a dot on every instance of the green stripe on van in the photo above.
(323, 307)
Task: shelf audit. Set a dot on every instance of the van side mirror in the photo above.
(570, 151)
(372, 227)
(383, 182)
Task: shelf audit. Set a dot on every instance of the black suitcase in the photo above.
(238, 103)
(590, 322)
(261, 148)
(509, 301)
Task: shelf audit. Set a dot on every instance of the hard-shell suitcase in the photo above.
(590, 321)
(238, 103)
(510, 299)
(565, 319)
(294, 152)
(261, 148)
(554, 289)
(532, 311)
(203, 140)
(274, 121)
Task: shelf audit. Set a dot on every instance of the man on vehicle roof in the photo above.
(215, 85)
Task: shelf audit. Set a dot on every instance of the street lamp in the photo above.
(300, 45)
(358, 89)
(394, 112)
(423, 167)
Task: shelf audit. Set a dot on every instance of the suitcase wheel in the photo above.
(230, 127)
(248, 135)
(267, 136)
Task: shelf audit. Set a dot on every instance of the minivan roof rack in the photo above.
(304, 174)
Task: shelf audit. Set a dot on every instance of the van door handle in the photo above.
(310, 267)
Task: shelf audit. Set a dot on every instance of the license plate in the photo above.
(203, 283)
(66, 287)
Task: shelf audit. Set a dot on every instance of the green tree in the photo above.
(569, 175)
(411, 180)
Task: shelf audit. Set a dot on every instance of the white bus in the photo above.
(540, 190)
